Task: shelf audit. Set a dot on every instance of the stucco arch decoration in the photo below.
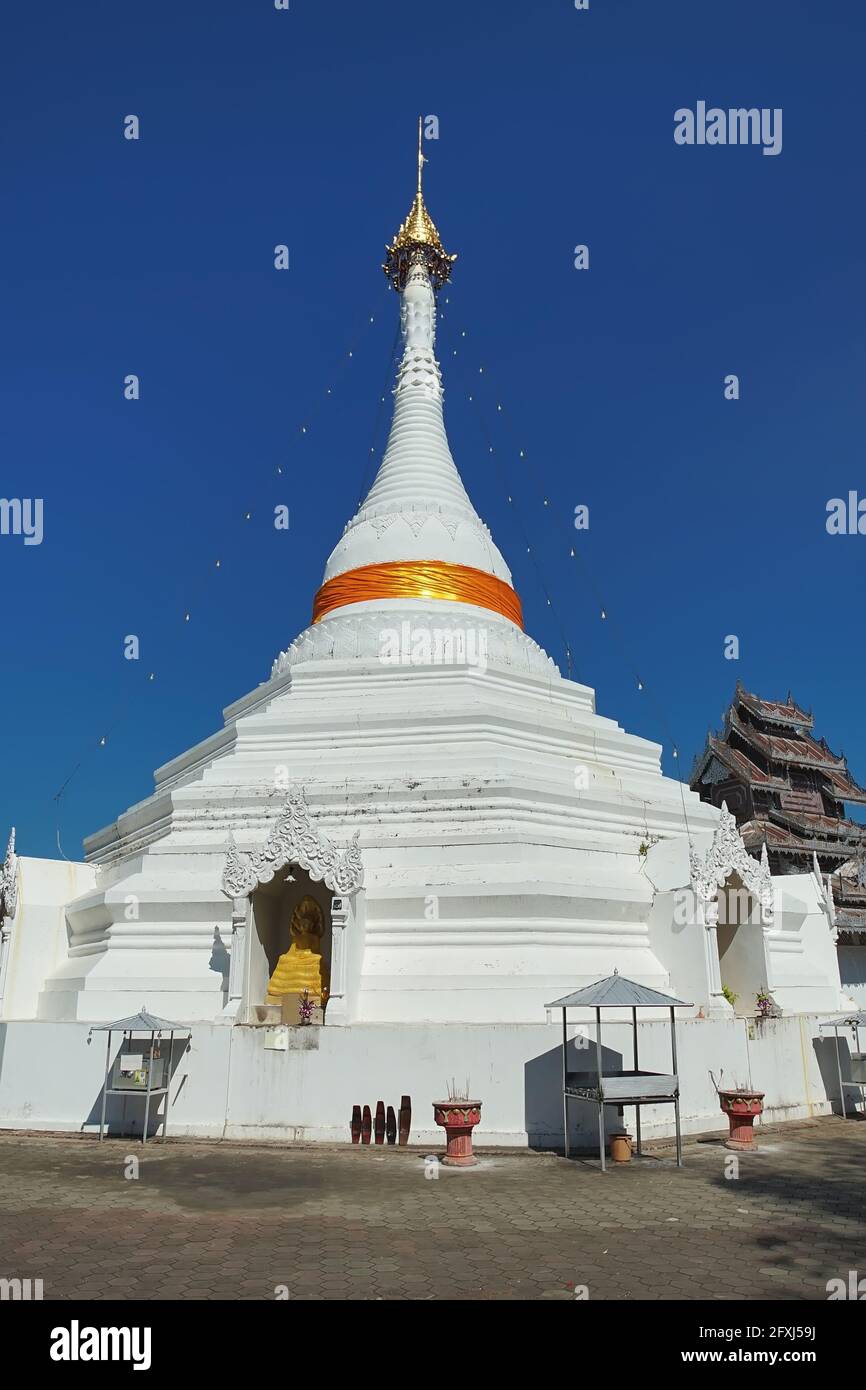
(728, 855)
(825, 895)
(9, 882)
(294, 839)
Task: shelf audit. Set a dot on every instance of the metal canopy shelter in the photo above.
(136, 1068)
(619, 1088)
(858, 1058)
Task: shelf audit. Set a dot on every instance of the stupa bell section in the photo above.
(417, 507)
(417, 553)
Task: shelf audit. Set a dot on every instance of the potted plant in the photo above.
(741, 1104)
(458, 1115)
(305, 1007)
(765, 1004)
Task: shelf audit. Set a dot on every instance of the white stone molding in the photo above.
(728, 855)
(707, 916)
(8, 908)
(825, 896)
(294, 839)
(415, 521)
(9, 883)
(238, 957)
(340, 912)
(351, 635)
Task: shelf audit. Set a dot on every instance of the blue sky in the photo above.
(261, 127)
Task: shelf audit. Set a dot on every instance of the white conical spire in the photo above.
(417, 457)
(416, 552)
(417, 508)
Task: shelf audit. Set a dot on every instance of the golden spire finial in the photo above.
(418, 238)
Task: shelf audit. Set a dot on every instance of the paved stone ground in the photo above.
(235, 1221)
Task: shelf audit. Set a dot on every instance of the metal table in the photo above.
(619, 1088)
(136, 1065)
(858, 1058)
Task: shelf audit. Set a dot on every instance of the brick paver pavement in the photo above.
(208, 1220)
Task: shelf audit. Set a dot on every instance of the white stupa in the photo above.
(496, 817)
(479, 839)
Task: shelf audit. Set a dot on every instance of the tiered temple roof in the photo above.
(849, 897)
(787, 790)
(773, 711)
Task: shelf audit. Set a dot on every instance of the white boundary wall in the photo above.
(229, 1085)
(852, 969)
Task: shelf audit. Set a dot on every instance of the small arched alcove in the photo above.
(300, 874)
(740, 936)
(273, 907)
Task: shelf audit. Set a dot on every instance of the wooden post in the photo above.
(600, 1100)
(108, 1066)
(677, 1096)
(637, 1068)
(405, 1118)
(565, 1082)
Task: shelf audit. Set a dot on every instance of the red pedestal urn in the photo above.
(458, 1118)
(741, 1107)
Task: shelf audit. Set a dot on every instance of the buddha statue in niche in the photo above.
(301, 967)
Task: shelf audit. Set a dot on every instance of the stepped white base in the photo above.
(500, 819)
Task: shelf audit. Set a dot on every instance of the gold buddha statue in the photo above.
(302, 967)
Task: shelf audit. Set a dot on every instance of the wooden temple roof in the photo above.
(740, 765)
(755, 833)
(845, 786)
(794, 822)
(805, 751)
(774, 710)
(802, 752)
(844, 891)
(811, 822)
(849, 897)
(852, 920)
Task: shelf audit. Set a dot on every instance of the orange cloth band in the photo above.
(419, 579)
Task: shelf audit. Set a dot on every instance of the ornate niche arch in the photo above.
(294, 839)
(8, 904)
(9, 883)
(728, 855)
(710, 872)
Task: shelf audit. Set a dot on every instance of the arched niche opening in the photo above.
(273, 906)
(740, 937)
